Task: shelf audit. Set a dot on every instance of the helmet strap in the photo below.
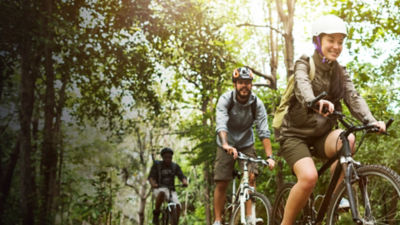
(317, 45)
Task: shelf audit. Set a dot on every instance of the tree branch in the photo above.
(280, 10)
(125, 176)
(267, 77)
(254, 25)
(263, 85)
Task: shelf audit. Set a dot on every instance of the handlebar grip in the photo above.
(316, 99)
(389, 122)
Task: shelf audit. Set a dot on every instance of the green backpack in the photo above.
(282, 109)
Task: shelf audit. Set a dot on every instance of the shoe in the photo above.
(259, 220)
(344, 204)
(249, 221)
(217, 223)
(156, 215)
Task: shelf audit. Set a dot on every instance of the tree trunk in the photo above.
(25, 114)
(207, 192)
(287, 23)
(273, 45)
(143, 199)
(49, 152)
(7, 178)
(206, 172)
(59, 140)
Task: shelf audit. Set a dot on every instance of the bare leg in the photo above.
(307, 177)
(156, 213)
(252, 182)
(159, 200)
(219, 198)
(332, 145)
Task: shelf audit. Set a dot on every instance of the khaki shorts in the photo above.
(224, 163)
(293, 148)
(174, 196)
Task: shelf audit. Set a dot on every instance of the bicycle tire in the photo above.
(173, 216)
(228, 212)
(263, 210)
(164, 217)
(305, 215)
(383, 189)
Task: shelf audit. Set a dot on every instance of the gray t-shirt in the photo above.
(238, 124)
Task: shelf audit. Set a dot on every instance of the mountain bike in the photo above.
(169, 210)
(235, 209)
(373, 191)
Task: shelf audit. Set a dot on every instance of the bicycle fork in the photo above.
(243, 196)
(349, 176)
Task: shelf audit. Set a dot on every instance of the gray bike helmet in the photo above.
(242, 73)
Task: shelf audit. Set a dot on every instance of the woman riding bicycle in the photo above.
(309, 132)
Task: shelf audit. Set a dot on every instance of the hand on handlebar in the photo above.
(325, 107)
(230, 150)
(271, 163)
(184, 183)
(380, 125)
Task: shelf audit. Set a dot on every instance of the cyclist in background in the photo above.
(162, 175)
(237, 111)
(306, 133)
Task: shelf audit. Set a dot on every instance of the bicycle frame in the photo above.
(348, 165)
(243, 192)
(167, 209)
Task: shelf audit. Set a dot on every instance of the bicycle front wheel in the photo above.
(262, 210)
(304, 216)
(173, 216)
(377, 198)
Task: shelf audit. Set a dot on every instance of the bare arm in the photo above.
(153, 183)
(268, 152)
(223, 136)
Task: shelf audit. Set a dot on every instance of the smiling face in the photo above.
(243, 89)
(332, 45)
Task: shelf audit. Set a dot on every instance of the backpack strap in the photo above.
(253, 106)
(158, 164)
(230, 106)
(310, 60)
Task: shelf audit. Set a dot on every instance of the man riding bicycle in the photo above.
(237, 111)
(162, 175)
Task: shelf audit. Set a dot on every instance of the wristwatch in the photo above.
(270, 157)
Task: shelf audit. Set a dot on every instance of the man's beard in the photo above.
(243, 96)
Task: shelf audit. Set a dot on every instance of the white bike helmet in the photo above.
(329, 24)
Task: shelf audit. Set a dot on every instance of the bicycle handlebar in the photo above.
(244, 157)
(350, 127)
(173, 187)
